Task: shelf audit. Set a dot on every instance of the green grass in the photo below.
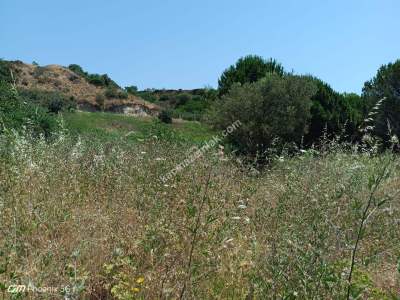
(114, 127)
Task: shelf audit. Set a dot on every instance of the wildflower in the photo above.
(136, 290)
(140, 280)
(236, 218)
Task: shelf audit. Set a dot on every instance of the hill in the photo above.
(89, 95)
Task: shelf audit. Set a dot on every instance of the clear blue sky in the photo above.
(187, 43)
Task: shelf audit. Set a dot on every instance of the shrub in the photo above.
(131, 89)
(247, 70)
(115, 93)
(165, 116)
(275, 107)
(53, 101)
(77, 69)
(5, 74)
(100, 100)
(164, 98)
(147, 95)
(95, 79)
(15, 113)
(183, 99)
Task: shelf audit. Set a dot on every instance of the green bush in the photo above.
(5, 74)
(100, 101)
(182, 99)
(112, 92)
(274, 107)
(21, 115)
(165, 116)
(147, 95)
(133, 90)
(77, 69)
(53, 101)
(164, 98)
(95, 79)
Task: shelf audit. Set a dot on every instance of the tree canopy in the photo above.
(248, 69)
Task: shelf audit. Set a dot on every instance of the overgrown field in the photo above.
(94, 217)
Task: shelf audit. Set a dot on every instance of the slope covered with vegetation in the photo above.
(55, 86)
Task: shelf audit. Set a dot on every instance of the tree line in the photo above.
(277, 107)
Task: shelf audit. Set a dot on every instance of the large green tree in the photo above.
(273, 107)
(248, 69)
(332, 113)
(386, 84)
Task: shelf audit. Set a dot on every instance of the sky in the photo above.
(188, 44)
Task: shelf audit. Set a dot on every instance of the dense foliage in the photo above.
(274, 107)
(183, 104)
(333, 113)
(165, 116)
(131, 89)
(96, 79)
(20, 115)
(5, 74)
(246, 70)
(112, 92)
(53, 101)
(386, 84)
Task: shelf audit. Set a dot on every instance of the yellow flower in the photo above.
(139, 280)
(136, 290)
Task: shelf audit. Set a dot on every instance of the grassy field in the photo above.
(114, 127)
(91, 218)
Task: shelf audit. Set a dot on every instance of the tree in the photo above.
(133, 89)
(332, 112)
(247, 70)
(386, 84)
(274, 107)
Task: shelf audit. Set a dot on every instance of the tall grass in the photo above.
(94, 217)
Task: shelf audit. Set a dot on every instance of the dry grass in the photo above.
(97, 219)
